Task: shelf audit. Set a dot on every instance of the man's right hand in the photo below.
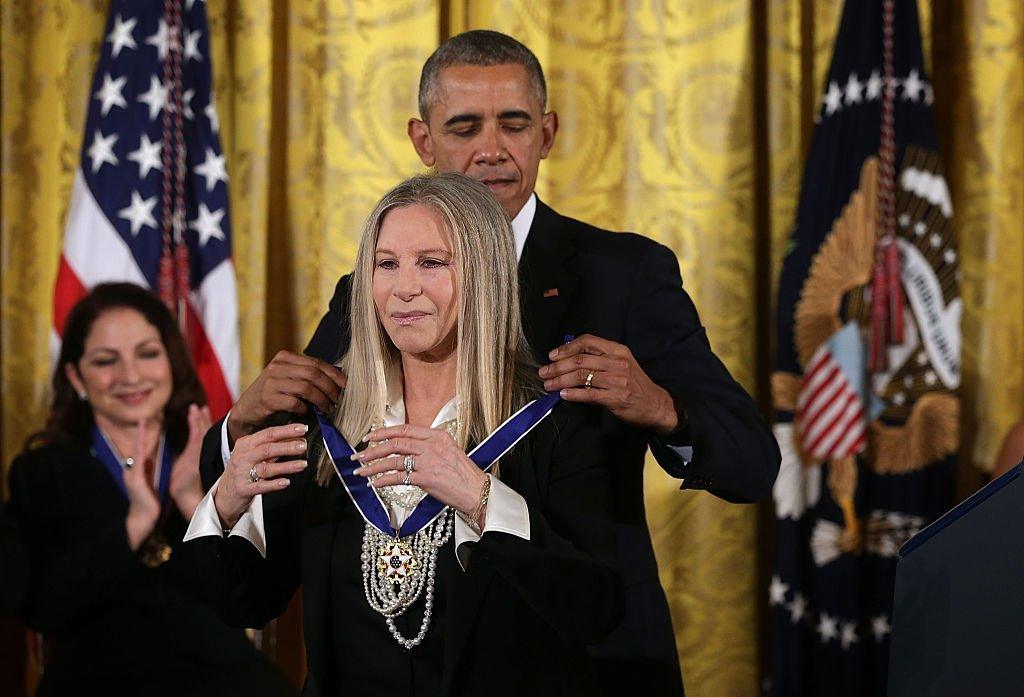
(286, 384)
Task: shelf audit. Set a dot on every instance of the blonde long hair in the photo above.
(495, 370)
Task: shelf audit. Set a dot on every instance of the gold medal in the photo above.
(155, 550)
(396, 561)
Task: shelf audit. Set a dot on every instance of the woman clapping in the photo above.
(102, 496)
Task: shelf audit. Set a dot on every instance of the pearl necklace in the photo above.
(394, 576)
(397, 570)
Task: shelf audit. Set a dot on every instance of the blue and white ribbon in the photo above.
(484, 455)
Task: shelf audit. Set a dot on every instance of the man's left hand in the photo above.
(616, 382)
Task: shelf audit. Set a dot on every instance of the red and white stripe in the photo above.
(830, 417)
(94, 253)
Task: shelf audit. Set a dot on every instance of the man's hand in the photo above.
(286, 384)
(617, 382)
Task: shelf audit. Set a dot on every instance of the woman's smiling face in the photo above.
(124, 371)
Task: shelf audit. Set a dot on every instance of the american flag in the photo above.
(830, 415)
(120, 221)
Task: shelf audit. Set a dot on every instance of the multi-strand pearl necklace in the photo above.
(397, 570)
(394, 575)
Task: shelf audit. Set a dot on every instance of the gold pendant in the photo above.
(155, 551)
(396, 561)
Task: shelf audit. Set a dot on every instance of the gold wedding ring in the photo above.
(589, 380)
(253, 477)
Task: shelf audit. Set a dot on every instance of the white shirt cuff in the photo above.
(225, 447)
(506, 512)
(206, 522)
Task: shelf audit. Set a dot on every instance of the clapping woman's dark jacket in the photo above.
(114, 626)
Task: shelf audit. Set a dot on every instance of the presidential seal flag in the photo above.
(149, 204)
(868, 360)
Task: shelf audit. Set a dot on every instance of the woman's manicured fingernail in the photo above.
(357, 470)
(301, 428)
(300, 446)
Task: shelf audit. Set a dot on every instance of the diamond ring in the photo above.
(590, 379)
(253, 477)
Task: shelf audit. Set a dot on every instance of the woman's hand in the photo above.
(256, 454)
(186, 489)
(439, 466)
(143, 504)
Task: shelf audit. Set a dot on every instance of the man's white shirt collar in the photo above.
(522, 222)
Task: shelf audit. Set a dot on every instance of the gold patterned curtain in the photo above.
(686, 121)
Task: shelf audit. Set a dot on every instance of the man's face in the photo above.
(487, 123)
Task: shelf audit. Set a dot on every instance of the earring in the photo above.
(83, 395)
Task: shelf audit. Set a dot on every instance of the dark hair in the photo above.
(478, 47)
(71, 418)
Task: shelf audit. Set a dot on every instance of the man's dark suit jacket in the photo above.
(578, 279)
(516, 622)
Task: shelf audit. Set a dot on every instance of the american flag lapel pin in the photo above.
(551, 293)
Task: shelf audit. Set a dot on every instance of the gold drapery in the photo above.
(685, 121)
